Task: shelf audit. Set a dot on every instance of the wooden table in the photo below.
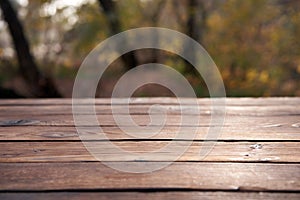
(256, 156)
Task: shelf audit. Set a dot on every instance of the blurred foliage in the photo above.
(254, 43)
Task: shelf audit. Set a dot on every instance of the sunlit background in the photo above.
(254, 43)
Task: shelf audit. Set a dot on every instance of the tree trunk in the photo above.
(129, 59)
(195, 26)
(39, 85)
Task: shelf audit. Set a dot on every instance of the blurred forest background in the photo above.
(255, 43)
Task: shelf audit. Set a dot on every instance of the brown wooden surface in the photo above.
(156, 100)
(55, 133)
(179, 175)
(222, 151)
(150, 195)
(257, 155)
(249, 110)
(247, 122)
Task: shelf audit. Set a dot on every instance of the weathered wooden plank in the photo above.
(157, 100)
(55, 133)
(155, 195)
(222, 151)
(204, 176)
(36, 111)
(143, 120)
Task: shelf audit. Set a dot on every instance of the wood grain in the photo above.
(204, 176)
(257, 155)
(102, 109)
(222, 151)
(283, 132)
(148, 195)
(143, 120)
(156, 100)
